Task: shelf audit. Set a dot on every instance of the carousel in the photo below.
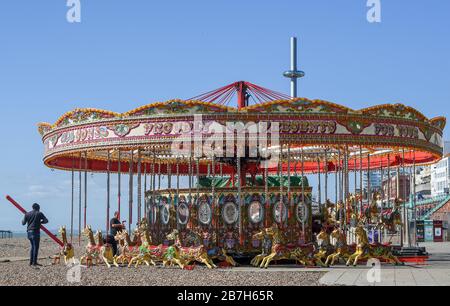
(237, 182)
(227, 184)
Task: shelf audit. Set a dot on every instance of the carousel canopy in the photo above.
(315, 132)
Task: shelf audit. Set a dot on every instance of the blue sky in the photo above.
(128, 53)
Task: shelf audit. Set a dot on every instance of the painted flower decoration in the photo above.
(121, 130)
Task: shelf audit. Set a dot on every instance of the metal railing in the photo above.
(436, 208)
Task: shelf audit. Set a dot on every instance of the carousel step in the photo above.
(410, 251)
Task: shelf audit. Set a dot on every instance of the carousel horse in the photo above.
(325, 247)
(339, 216)
(342, 249)
(189, 254)
(121, 246)
(362, 247)
(66, 251)
(328, 215)
(366, 251)
(350, 206)
(214, 251)
(128, 248)
(147, 252)
(391, 219)
(172, 256)
(105, 250)
(91, 250)
(371, 213)
(280, 251)
(266, 246)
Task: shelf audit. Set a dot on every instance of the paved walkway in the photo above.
(436, 272)
(388, 276)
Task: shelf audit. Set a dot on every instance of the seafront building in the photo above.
(432, 198)
(423, 183)
(440, 177)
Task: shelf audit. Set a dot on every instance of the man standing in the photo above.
(34, 219)
(115, 226)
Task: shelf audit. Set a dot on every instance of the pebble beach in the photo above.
(15, 271)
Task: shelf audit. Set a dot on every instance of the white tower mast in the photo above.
(294, 74)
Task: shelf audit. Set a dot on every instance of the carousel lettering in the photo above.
(84, 134)
(68, 137)
(54, 140)
(80, 135)
(167, 128)
(384, 129)
(182, 127)
(158, 128)
(408, 131)
(308, 127)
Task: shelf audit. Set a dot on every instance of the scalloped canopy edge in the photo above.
(297, 105)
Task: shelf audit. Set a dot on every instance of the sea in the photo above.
(24, 234)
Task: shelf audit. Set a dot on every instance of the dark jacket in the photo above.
(34, 219)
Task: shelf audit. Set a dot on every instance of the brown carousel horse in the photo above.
(190, 254)
(279, 250)
(342, 249)
(364, 250)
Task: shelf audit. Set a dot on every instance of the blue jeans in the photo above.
(35, 238)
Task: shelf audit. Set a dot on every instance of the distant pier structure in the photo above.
(5, 234)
